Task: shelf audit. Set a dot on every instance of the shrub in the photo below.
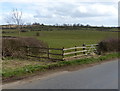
(37, 34)
(109, 45)
(24, 30)
(16, 47)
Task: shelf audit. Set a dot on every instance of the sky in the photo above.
(92, 12)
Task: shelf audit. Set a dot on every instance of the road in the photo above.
(102, 76)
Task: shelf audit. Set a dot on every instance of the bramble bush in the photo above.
(109, 45)
(16, 47)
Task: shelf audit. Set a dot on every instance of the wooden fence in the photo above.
(46, 53)
(79, 51)
(61, 54)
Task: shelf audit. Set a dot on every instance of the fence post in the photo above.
(48, 52)
(63, 53)
(75, 51)
(84, 48)
(27, 47)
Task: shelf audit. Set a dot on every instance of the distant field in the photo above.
(66, 39)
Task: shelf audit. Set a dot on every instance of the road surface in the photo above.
(102, 76)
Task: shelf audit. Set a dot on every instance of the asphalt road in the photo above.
(102, 76)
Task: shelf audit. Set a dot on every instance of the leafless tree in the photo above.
(8, 21)
(16, 18)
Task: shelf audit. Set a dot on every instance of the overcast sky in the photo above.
(92, 12)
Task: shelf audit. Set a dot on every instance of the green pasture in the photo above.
(55, 39)
(59, 39)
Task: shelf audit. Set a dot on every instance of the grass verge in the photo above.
(33, 68)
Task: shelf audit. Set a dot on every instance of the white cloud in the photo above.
(76, 10)
(68, 11)
(93, 10)
(82, 9)
(28, 1)
(104, 9)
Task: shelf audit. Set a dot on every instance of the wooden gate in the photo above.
(79, 51)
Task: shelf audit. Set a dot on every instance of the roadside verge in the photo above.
(28, 70)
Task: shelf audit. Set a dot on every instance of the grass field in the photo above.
(55, 39)
(59, 39)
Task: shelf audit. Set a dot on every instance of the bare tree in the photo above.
(16, 18)
(8, 21)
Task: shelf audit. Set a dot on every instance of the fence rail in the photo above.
(73, 48)
(64, 53)
(79, 51)
(74, 52)
(46, 53)
(45, 48)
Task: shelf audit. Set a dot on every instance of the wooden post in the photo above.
(27, 47)
(84, 48)
(75, 51)
(63, 53)
(48, 53)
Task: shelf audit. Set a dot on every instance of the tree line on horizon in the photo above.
(15, 21)
(42, 27)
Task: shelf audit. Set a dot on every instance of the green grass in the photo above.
(59, 39)
(32, 68)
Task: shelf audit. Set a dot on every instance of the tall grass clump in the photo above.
(17, 47)
(109, 45)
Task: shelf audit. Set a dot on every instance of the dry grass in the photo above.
(13, 64)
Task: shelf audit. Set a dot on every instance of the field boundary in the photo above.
(64, 53)
(47, 54)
